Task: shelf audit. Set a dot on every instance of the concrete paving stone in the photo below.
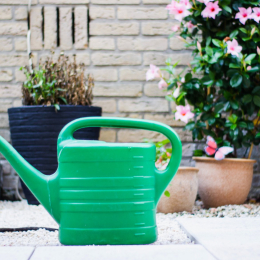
(226, 238)
(14, 253)
(180, 252)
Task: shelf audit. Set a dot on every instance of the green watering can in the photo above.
(102, 193)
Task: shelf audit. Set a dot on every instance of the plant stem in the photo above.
(250, 152)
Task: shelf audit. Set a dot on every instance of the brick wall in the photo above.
(116, 39)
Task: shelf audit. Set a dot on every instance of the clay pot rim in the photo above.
(203, 158)
(188, 169)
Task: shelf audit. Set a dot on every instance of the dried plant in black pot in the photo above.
(54, 94)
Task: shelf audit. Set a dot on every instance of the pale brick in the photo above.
(98, 43)
(10, 91)
(105, 74)
(13, 60)
(107, 135)
(188, 149)
(108, 105)
(17, 102)
(64, 2)
(81, 21)
(83, 58)
(152, 90)
(138, 136)
(126, 115)
(65, 28)
(4, 122)
(176, 44)
(5, 133)
(17, 2)
(160, 58)
(20, 13)
(128, 74)
(100, 12)
(97, 28)
(5, 13)
(185, 136)
(143, 105)
(19, 75)
(50, 27)
(142, 13)
(6, 44)
(6, 75)
(156, 28)
(112, 59)
(139, 44)
(5, 104)
(15, 28)
(6, 167)
(20, 44)
(162, 2)
(36, 28)
(119, 2)
(165, 119)
(121, 90)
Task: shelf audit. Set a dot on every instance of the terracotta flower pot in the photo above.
(183, 191)
(224, 182)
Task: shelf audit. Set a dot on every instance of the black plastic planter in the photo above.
(34, 133)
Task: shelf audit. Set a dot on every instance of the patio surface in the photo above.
(222, 238)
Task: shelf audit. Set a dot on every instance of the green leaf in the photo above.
(188, 77)
(232, 118)
(257, 135)
(198, 152)
(208, 41)
(247, 98)
(217, 42)
(219, 107)
(256, 100)
(234, 34)
(242, 124)
(228, 9)
(190, 126)
(209, 51)
(236, 80)
(256, 90)
(234, 66)
(167, 194)
(57, 107)
(243, 30)
(250, 57)
(233, 127)
(234, 104)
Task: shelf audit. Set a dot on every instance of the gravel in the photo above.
(20, 214)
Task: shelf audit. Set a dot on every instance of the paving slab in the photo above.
(225, 238)
(180, 252)
(15, 253)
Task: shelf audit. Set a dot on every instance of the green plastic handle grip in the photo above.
(162, 177)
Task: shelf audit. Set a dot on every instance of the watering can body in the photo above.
(107, 193)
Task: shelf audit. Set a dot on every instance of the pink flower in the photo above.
(244, 14)
(249, 68)
(152, 73)
(258, 50)
(162, 84)
(256, 14)
(178, 9)
(176, 92)
(186, 3)
(205, 1)
(190, 25)
(176, 28)
(233, 47)
(183, 113)
(211, 10)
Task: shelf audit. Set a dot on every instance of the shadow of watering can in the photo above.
(102, 193)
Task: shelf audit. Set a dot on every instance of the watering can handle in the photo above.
(162, 177)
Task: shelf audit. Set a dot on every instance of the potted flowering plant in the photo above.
(223, 88)
(182, 191)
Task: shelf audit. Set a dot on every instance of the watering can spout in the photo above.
(37, 182)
